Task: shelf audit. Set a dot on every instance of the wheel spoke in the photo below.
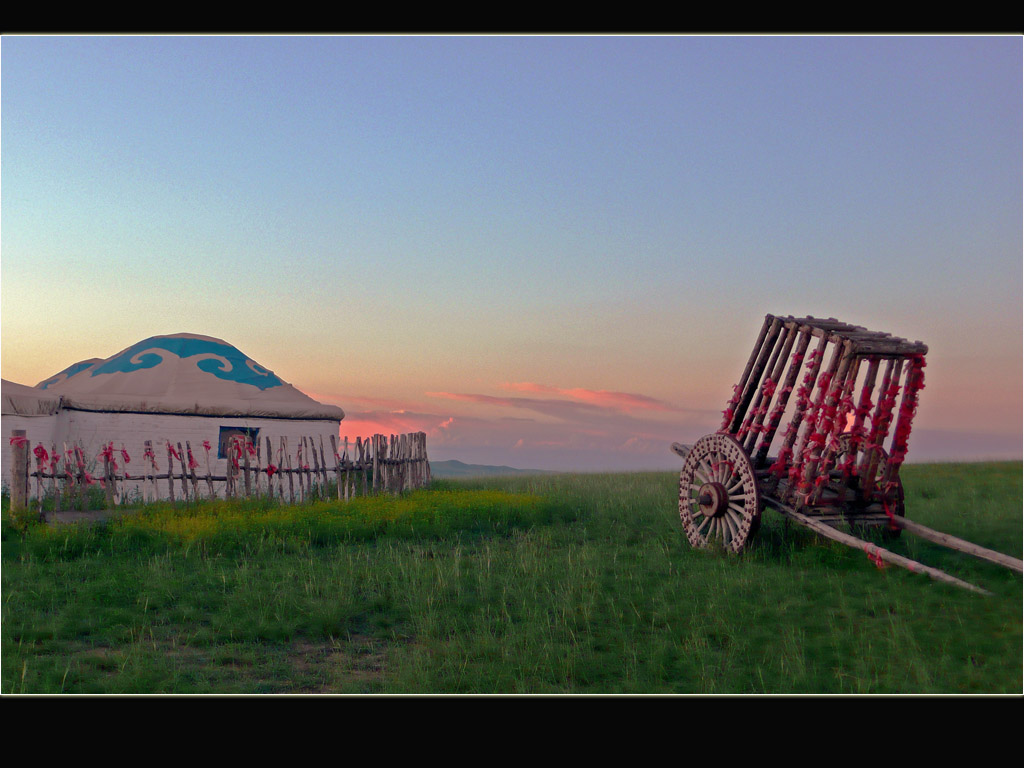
(716, 468)
(729, 525)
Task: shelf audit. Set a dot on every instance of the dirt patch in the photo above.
(356, 662)
(86, 516)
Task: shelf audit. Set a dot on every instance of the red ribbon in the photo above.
(41, 455)
(885, 505)
(108, 454)
(779, 467)
(174, 453)
(875, 558)
(19, 440)
(730, 408)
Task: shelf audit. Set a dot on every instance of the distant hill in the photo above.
(455, 468)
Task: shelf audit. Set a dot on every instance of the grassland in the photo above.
(542, 584)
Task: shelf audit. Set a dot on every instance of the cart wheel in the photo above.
(897, 507)
(718, 496)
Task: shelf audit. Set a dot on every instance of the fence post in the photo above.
(108, 476)
(19, 470)
(376, 465)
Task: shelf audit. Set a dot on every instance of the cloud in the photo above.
(621, 401)
(560, 409)
(540, 427)
(367, 423)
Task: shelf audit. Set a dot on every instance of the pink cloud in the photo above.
(621, 401)
(561, 409)
(367, 423)
(542, 428)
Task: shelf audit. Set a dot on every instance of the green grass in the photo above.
(536, 584)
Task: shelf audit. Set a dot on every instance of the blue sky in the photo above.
(379, 218)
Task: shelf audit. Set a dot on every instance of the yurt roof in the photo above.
(19, 400)
(183, 373)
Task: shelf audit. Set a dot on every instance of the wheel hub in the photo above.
(713, 499)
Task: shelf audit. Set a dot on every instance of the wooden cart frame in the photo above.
(848, 396)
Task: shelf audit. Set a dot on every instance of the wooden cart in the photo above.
(847, 396)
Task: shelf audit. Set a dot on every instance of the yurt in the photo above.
(29, 409)
(165, 389)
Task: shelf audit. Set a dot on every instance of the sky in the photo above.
(545, 252)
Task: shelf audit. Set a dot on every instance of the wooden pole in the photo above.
(19, 470)
(869, 461)
(337, 464)
(828, 400)
(364, 461)
(281, 470)
(184, 474)
(56, 486)
(39, 485)
(828, 451)
(170, 471)
(309, 469)
(755, 415)
(270, 461)
(192, 471)
(307, 449)
(819, 394)
(872, 550)
(807, 386)
(959, 544)
(406, 462)
(375, 444)
(349, 490)
(247, 479)
(347, 460)
(298, 465)
(69, 477)
(288, 462)
(785, 390)
(863, 406)
(80, 465)
(426, 460)
(108, 483)
(741, 384)
(148, 474)
(323, 468)
(257, 471)
(209, 474)
(753, 379)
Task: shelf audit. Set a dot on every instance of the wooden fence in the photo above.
(378, 464)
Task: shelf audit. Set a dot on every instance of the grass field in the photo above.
(542, 584)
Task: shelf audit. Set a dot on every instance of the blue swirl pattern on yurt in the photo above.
(242, 370)
(67, 373)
